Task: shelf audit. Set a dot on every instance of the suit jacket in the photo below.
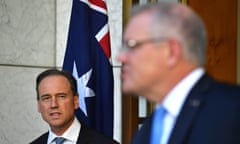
(86, 136)
(210, 115)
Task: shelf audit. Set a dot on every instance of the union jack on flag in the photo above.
(87, 57)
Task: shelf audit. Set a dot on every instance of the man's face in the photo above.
(143, 66)
(56, 102)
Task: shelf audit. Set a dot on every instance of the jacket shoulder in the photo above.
(91, 136)
(41, 139)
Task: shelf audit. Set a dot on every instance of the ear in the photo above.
(76, 101)
(174, 53)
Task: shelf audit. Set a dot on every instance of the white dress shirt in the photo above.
(174, 100)
(71, 134)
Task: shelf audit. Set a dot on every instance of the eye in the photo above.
(62, 96)
(45, 98)
(132, 44)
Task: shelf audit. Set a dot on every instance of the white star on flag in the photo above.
(83, 90)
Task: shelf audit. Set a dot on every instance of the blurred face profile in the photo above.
(142, 65)
(56, 102)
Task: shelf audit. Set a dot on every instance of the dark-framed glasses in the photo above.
(132, 44)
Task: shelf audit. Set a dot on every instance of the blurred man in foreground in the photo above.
(163, 58)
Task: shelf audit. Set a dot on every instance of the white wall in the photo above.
(33, 37)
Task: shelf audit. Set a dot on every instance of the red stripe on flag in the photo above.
(99, 3)
(105, 43)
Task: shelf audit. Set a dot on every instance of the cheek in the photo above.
(149, 67)
(147, 75)
(40, 108)
(43, 109)
(142, 66)
(138, 63)
(150, 70)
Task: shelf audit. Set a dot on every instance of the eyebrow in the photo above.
(60, 93)
(44, 95)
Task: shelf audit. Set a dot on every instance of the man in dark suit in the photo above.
(163, 58)
(57, 97)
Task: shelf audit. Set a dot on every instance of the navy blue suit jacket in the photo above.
(210, 115)
(86, 136)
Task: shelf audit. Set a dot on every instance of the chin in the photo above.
(128, 90)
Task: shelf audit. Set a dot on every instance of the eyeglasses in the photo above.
(133, 44)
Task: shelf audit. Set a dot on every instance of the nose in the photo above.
(122, 56)
(54, 102)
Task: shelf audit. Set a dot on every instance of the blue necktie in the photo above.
(157, 125)
(59, 140)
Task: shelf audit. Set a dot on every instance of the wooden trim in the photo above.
(127, 4)
(184, 1)
(153, 0)
(129, 117)
(129, 104)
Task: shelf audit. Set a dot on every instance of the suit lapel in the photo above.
(190, 109)
(83, 137)
(143, 135)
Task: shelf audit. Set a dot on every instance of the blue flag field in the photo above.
(87, 57)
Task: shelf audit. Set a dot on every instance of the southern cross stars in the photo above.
(83, 90)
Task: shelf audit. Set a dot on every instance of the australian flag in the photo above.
(87, 57)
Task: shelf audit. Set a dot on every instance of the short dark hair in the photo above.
(55, 72)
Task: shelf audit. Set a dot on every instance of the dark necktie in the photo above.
(59, 140)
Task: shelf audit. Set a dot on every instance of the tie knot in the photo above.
(160, 111)
(59, 140)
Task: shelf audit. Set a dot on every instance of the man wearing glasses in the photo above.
(163, 59)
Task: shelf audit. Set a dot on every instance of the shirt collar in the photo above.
(175, 98)
(71, 134)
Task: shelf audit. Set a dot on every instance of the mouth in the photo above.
(55, 115)
(124, 73)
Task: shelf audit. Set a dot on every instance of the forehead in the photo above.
(54, 82)
(138, 25)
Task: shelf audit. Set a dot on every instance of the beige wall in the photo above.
(33, 38)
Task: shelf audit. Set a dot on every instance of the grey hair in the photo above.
(174, 20)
